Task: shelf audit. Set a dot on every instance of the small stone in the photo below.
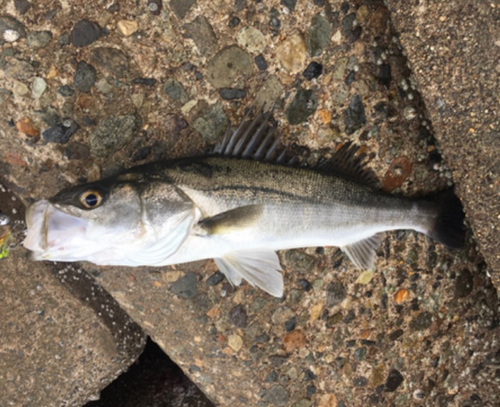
(305, 285)
(319, 35)
(104, 86)
(127, 27)
(39, 86)
(289, 4)
(26, 126)
(235, 342)
(350, 28)
(290, 324)
(360, 381)
(238, 316)
(234, 22)
(213, 124)
(350, 78)
(60, 133)
(38, 39)
(281, 315)
(111, 60)
(294, 340)
(464, 284)
(251, 39)
(401, 296)
(260, 62)
(300, 261)
(303, 105)
(84, 33)
(365, 277)
(181, 7)
(49, 115)
(114, 8)
(113, 133)
(66, 91)
(185, 286)
(335, 293)
(328, 400)
(77, 151)
(149, 82)
(174, 89)
(215, 279)
(269, 93)
(20, 89)
(272, 377)
(292, 53)
(384, 75)
(64, 39)
(155, 7)
(393, 381)
(276, 395)
(88, 121)
(313, 70)
(354, 116)
(11, 29)
(232, 94)
(228, 65)
(85, 76)
(397, 173)
(22, 6)
(202, 33)
(421, 321)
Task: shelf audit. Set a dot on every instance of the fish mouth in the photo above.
(53, 234)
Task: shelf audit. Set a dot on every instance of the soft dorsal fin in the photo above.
(234, 219)
(347, 162)
(362, 253)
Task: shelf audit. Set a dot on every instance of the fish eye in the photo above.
(91, 199)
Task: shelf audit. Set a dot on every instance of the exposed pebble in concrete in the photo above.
(77, 151)
(213, 124)
(113, 133)
(181, 7)
(228, 65)
(11, 29)
(319, 35)
(127, 27)
(238, 316)
(202, 34)
(354, 116)
(292, 53)
(22, 6)
(66, 91)
(313, 70)
(174, 89)
(232, 94)
(276, 395)
(26, 126)
(397, 173)
(251, 39)
(38, 87)
(60, 133)
(394, 380)
(111, 60)
(85, 76)
(38, 39)
(84, 33)
(303, 105)
(185, 287)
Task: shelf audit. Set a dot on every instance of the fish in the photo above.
(238, 205)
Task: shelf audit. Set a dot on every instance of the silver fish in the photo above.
(237, 206)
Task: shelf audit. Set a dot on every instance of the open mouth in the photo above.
(52, 234)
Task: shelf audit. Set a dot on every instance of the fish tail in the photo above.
(448, 227)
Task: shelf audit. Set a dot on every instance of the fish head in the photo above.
(108, 222)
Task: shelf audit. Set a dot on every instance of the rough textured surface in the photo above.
(454, 50)
(420, 329)
(62, 338)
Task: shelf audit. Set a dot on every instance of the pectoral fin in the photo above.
(259, 268)
(362, 253)
(232, 220)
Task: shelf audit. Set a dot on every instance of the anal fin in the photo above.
(260, 268)
(362, 253)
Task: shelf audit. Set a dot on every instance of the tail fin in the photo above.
(449, 226)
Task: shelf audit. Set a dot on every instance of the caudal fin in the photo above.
(449, 226)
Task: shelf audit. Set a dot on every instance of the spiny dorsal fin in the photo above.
(347, 162)
(256, 139)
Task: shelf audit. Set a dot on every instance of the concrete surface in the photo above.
(162, 82)
(454, 52)
(62, 338)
